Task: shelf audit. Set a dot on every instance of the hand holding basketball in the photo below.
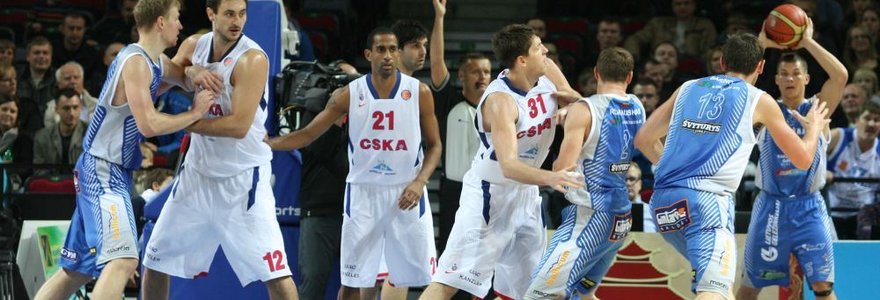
(786, 25)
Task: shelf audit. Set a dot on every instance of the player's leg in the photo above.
(76, 264)
(61, 285)
(183, 242)
(550, 277)
(814, 250)
(409, 248)
(765, 261)
(515, 267)
(362, 238)
(391, 292)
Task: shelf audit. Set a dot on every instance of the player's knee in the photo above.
(747, 293)
(125, 266)
(822, 288)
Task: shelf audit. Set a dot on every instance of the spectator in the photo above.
(35, 85)
(155, 180)
(667, 53)
(8, 80)
(539, 26)
(553, 54)
(853, 153)
(854, 96)
(14, 146)
(148, 151)
(608, 34)
(634, 189)
(646, 90)
(72, 46)
(115, 27)
(870, 20)
(855, 7)
(657, 71)
(713, 61)
(858, 51)
(99, 75)
(7, 52)
(70, 76)
(868, 80)
(587, 83)
(691, 34)
(61, 143)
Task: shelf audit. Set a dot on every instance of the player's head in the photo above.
(382, 51)
(412, 38)
(227, 18)
(792, 76)
(868, 124)
(517, 47)
(743, 54)
(614, 64)
(160, 17)
(474, 72)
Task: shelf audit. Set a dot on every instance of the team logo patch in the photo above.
(622, 224)
(227, 62)
(406, 94)
(69, 255)
(673, 217)
(843, 165)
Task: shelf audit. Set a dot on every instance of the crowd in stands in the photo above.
(54, 58)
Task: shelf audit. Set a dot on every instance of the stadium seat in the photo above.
(579, 26)
(62, 184)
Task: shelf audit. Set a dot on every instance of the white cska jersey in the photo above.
(227, 156)
(384, 132)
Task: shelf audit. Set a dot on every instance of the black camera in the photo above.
(302, 91)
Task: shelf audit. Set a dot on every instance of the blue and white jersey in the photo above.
(776, 174)
(606, 154)
(535, 127)
(848, 160)
(710, 135)
(113, 134)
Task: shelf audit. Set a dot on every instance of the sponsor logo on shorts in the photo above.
(673, 217)
(123, 248)
(769, 253)
(771, 235)
(92, 251)
(718, 284)
(556, 267)
(153, 257)
(622, 224)
(587, 283)
(693, 275)
(701, 127)
(69, 254)
(772, 275)
(350, 270)
(621, 167)
(471, 280)
(114, 222)
(452, 269)
(543, 294)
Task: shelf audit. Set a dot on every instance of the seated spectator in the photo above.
(8, 80)
(539, 26)
(634, 189)
(855, 8)
(71, 46)
(854, 96)
(14, 147)
(587, 82)
(646, 90)
(854, 153)
(7, 52)
(667, 53)
(713, 61)
(870, 20)
(70, 76)
(691, 34)
(858, 51)
(61, 143)
(608, 34)
(868, 80)
(657, 71)
(96, 79)
(36, 85)
(155, 180)
(115, 26)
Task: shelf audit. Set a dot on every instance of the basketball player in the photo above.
(598, 140)
(102, 241)
(498, 229)
(789, 215)
(223, 191)
(709, 125)
(390, 115)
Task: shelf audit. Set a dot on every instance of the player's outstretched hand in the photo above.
(203, 101)
(565, 179)
(409, 199)
(766, 42)
(816, 119)
(808, 34)
(205, 79)
(440, 7)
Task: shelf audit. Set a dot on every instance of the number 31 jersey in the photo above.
(384, 134)
(535, 127)
(710, 135)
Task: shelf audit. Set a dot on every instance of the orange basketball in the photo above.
(786, 24)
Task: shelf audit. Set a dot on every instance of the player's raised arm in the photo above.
(649, 140)
(151, 122)
(564, 94)
(832, 89)
(336, 107)
(439, 72)
(800, 151)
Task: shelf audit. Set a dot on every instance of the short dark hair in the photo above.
(511, 42)
(67, 93)
(157, 175)
(214, 5)
(378, 31)
(408, 31)
(611, 20)
(869, 107)
(471, 56)
(742, 53)
(38, 41)
(75, 15)
(614, 64)
(793, 57)
(646, 81)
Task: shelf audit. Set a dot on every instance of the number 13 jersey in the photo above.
(535, 127)
(384, 134)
